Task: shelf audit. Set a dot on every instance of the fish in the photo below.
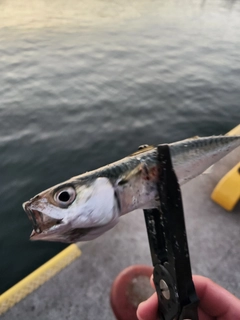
(85, 206)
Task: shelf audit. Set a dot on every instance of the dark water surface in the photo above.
(83, 83)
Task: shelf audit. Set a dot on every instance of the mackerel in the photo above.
(85, 206)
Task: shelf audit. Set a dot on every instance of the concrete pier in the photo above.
(81, 290)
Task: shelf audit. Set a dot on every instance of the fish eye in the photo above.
(65, 196)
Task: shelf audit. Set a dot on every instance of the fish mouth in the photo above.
(64, 230)
(57, 231)
(50, 229)
(42, 224)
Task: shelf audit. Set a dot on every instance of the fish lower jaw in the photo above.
(38, 234)
(42, 223)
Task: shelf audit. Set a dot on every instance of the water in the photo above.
(84, 83)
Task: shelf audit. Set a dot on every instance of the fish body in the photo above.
(85, 206)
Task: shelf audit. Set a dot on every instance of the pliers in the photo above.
(167, 237)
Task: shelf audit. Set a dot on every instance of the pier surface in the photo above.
(81, 290)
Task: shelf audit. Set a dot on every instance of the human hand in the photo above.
(215, 303)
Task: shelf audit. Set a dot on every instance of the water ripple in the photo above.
(85, 83)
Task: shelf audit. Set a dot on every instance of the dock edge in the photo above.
(38, 277)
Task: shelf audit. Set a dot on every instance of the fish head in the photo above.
(73, 211)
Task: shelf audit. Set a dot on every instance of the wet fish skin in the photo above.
(191, 157)
(85, 206)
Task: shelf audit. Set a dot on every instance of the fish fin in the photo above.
(141, 149)
(148, 173)
(143, 146)
(131, 174)
(209, 170)
(191, 138)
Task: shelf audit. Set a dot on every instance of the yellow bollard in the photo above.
(227, 191)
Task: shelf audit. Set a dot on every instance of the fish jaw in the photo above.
(93, 211)
(65, 233)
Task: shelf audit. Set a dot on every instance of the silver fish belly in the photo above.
(85, 206)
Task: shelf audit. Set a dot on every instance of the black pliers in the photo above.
(167, 237)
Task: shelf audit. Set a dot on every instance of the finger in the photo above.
(215, 300)
(203, 316)
(148, 309)
(152, 283)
